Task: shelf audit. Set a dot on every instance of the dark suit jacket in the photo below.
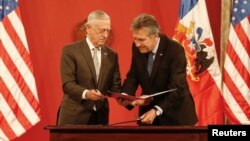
(78, 74)
(169, 71)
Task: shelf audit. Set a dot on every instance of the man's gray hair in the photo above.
(148, 21)
(97, 15)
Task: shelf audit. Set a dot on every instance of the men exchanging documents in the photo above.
(166, 71)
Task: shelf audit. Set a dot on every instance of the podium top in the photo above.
(127, 129)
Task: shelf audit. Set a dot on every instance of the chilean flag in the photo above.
(193, 32)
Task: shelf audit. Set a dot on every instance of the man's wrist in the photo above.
(84, 94)
(158, 110)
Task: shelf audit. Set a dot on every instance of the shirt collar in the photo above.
(156, 46)
(91, 46)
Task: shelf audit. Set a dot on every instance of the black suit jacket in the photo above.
(169, 72)
(78, 74)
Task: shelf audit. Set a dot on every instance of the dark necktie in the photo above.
(96, 62)
(150, 62)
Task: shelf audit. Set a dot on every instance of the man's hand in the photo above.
(139, 102)
(94, 95)
(148, 117)
(124, 102)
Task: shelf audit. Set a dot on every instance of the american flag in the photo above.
(236, 72)
(19, 104)
(193, 31)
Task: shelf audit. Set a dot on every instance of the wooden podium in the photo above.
(125, 133)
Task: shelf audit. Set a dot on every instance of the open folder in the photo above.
(132, 98)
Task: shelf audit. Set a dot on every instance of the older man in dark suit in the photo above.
(158, 64)
(88, 67)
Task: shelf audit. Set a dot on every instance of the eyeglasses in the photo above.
(102, 31)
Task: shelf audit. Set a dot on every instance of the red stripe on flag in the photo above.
(230, 115)
(242, 70)
(7, 130)
(17, 11)
(14, 106)
(243, 37)
(18, 78)
(237, 94)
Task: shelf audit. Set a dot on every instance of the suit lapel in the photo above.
(87, 55)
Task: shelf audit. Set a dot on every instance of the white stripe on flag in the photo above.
(10, 117)
(239, 48)
(18, 26)
(245, 25)
(234, 106)
(238, 80)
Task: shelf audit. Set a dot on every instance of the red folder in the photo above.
(119, 96)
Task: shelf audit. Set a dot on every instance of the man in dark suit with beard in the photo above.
(88, 68)
(158, 64)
